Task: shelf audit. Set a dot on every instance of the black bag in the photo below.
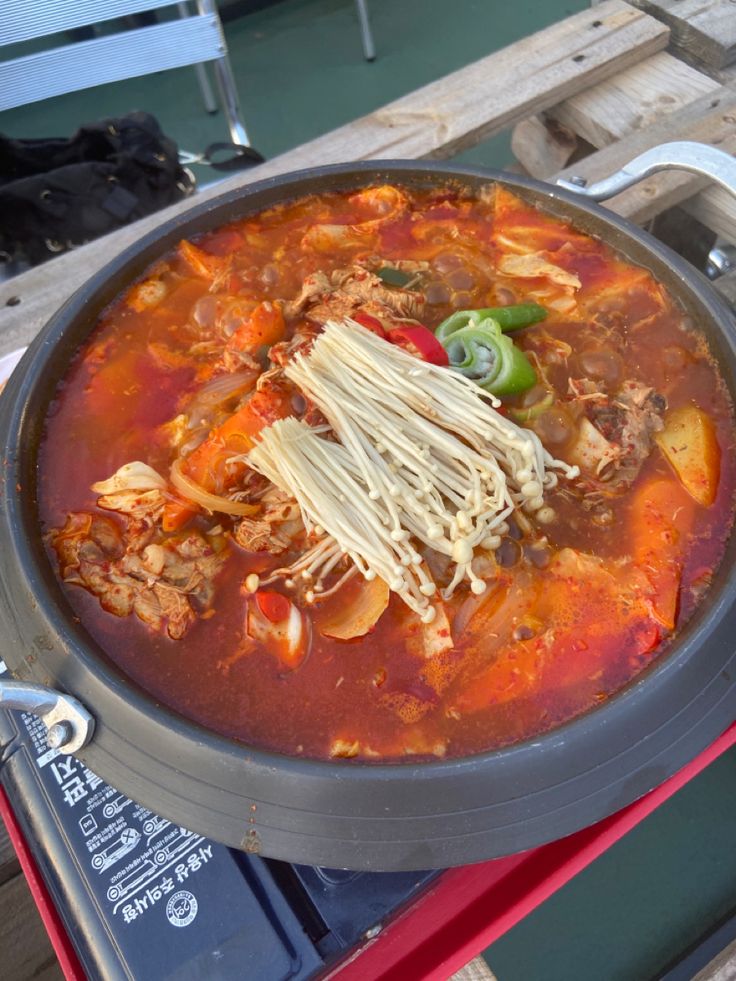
(56, 194)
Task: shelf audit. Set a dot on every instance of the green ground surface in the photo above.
(300, 73)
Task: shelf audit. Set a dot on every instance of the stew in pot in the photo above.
(389, 473)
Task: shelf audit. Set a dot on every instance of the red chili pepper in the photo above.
(420, 342)
(273, 606)
(370, 323)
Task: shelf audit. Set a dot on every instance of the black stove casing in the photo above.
(141, 897)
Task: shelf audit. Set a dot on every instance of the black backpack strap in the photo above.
(240, 157)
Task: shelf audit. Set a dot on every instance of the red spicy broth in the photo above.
(574, 607)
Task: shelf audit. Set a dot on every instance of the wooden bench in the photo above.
(583, 96)
(25, 949)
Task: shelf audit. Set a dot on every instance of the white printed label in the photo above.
(181, 908)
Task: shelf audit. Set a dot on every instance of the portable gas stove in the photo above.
(127, 894)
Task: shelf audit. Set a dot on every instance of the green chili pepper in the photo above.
(533, 411)
(508, 318)
(394, 277)
(480, 351)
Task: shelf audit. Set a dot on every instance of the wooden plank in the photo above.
(542, 145)
(475, 970)
(9, 864)
(716, 208)
(435, 121)
(710, 119)
(637, 98)
(25, 949)
(633, 99)
(726, 286)
(721, 968)
(704, 30)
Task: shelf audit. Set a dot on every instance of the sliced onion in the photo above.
(135, 476)
(221, 387)
(355, 617)
(472, 605)
(192, 491)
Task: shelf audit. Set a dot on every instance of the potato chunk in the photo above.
(689, 443)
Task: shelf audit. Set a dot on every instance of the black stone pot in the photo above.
(343, 813)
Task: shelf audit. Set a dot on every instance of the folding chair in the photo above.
(186, 40)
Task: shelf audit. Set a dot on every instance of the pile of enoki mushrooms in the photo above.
(411, 454)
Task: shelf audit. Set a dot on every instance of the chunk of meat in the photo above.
(616, 434)
(146, 295)
(164, 583)
(201, 263)
(382, 202)
(349, 290)
(276, 529)
(313, 286)
(284, 352)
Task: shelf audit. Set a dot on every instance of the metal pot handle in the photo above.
(69, 724)
(697, 158)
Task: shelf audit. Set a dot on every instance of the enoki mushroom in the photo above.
(422, 457)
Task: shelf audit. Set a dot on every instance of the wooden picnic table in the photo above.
(582, 96)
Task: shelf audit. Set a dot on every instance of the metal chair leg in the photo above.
(229, 93)
(369, 48)
(208, 96)
(226, 83)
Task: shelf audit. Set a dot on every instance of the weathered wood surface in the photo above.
(476, 970)
(709, 119)
(435, 121)
(716, 208)
(726, 286)
(721, 968)
(542, 145)
(25, 949)
(634, 99)
(9, 864)
(702, 30)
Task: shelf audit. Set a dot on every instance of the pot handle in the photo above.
(69, 724)
(697, 158)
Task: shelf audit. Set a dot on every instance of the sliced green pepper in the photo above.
(533, 411)
(508, 318)
(394, 277)
(480, 351)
